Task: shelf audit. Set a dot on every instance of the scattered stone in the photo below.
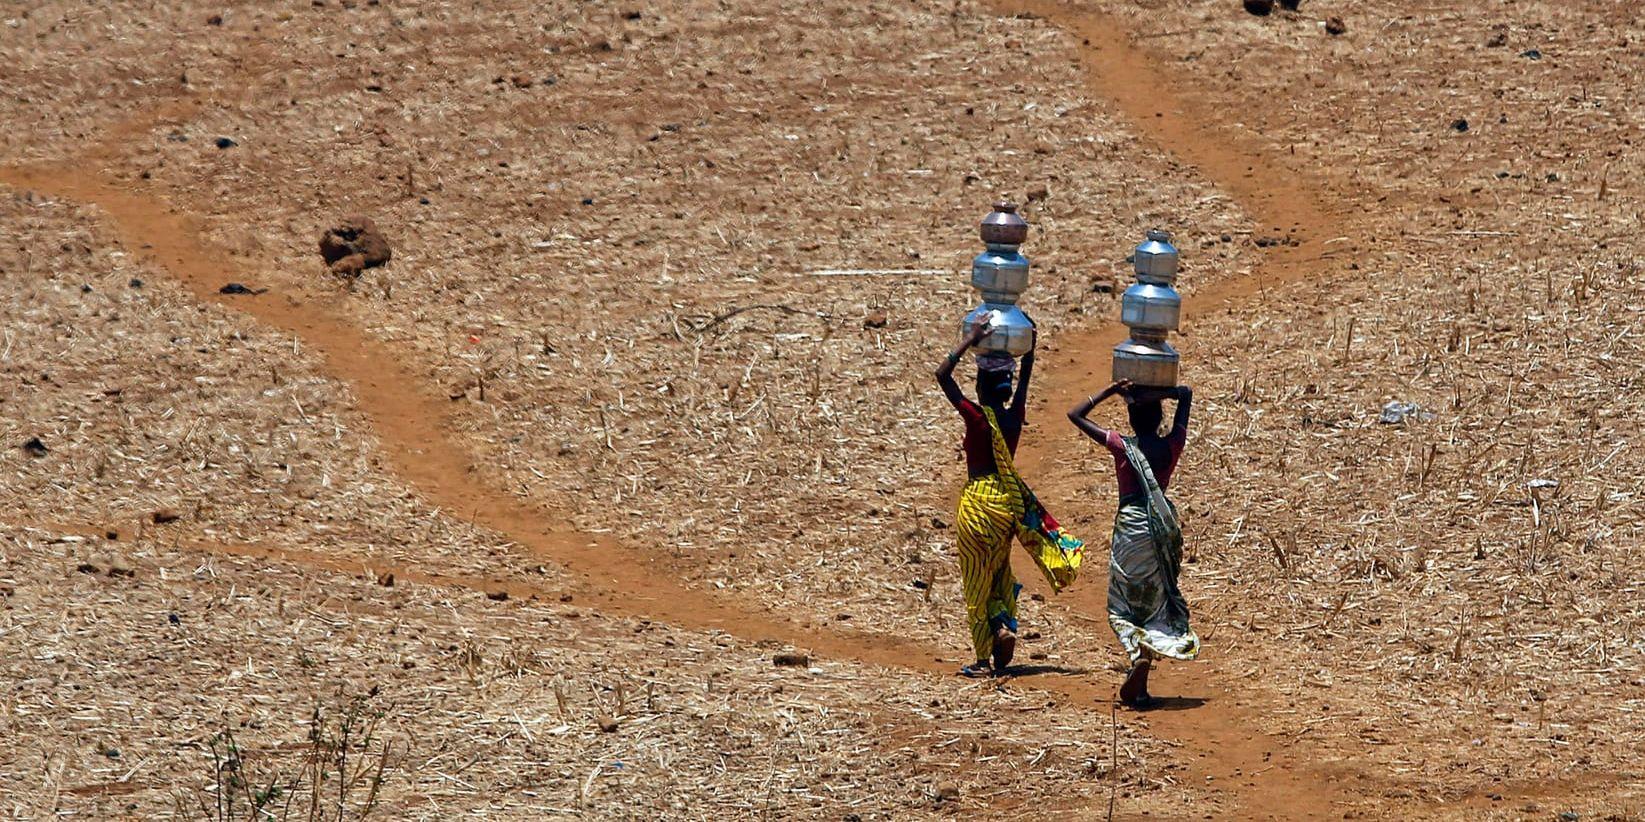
(1030, 635)
(1037, 597)
(607, 723)
(87, 568)
(164, 515)
(85, 288)
(174, 619)
(355, 236)
(588, 201)
(386, 579)
(875, 319)
(632, 15)
(1102, 285)
(1396, 412)
(35, 448)
(111, 753)
(921, 584)
(240, 288)
(1038, 655)
(135, 283)
(521, 81)
(948, 792)
(791, 660)
(938, 523)
(1531, 54)
(1039, 195)
(214, 20)
(1498, 40)
(120, 568)
(1459, 125)
(224, 142)
(1336, 27)
(498, 595)
(1261, 8)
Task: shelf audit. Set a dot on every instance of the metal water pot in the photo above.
(1155, 260)
(1000, 273)
(1151, 307)
(1147, 362)
(1013, 333)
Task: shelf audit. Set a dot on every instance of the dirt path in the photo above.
(410, 420)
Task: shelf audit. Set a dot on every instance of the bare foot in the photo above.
(1135, 690)
(1005, 645)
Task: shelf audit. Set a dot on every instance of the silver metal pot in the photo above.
(1155, 260)
(1151, 307)
(1013, 333)
(1001, 275)
(1151, 363)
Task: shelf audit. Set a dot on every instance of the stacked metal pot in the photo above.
(1151, 308)
(1000, 274)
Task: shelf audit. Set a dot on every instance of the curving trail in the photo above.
(1266, 778)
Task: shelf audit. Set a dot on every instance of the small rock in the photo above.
(224, 142)
(135, 283)
(1031, 635)
(588, 201)
(1531, 54)
(111, 753)
(1037, 655)
(1396, 412)
(35, 448)
(386, 579)
(85, 288)
(87, 568)
(920, 584)
(791, 660)
(1497, 40)
(947, 792)
(521, 81)
(1459, 125)
(354, 236)
(1260, 8)
(1036, 597)
(1039, 195)
(1569, 816)
(875, 319)
(607, 723)
(214, 20)
(164, 515)
(1336, 27)
(174, 619)
(120, 568)
(1102, 285)
(632, 15)
(498, 595)
(938, 523)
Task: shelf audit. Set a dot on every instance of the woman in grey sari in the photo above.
(1145, 607)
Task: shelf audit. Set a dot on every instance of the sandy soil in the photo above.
(601, 377)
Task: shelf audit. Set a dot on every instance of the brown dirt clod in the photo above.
(353, 245)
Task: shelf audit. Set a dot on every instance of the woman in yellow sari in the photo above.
(997, 505)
